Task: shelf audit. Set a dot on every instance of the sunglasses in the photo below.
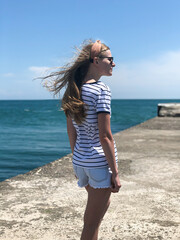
(109, 58)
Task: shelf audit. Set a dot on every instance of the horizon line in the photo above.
(47, 99)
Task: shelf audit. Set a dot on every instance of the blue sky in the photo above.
(144, 37)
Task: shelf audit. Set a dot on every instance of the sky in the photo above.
(143, 35)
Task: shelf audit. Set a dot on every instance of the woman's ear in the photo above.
(96, 60)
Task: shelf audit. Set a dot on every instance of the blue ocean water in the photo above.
(33, 132)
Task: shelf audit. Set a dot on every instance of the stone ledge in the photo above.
(169, 110)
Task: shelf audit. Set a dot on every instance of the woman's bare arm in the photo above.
(71, 133)
(107, 143)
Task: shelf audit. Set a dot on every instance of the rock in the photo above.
(169, 110)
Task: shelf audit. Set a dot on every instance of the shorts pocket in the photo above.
(98, 174)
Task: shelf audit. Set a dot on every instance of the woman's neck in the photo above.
(92, 76)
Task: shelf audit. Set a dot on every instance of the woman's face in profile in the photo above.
(105, 63)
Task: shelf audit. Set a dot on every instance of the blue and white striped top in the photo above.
(88, 151)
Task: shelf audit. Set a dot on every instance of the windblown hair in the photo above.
(72, 76)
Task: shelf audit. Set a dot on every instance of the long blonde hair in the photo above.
(71, 76)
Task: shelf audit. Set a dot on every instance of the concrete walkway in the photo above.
(46, 203)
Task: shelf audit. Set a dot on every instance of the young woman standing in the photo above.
(87, 105)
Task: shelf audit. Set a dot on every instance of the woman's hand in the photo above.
(115, 183)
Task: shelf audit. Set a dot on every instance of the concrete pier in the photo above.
(46, 204)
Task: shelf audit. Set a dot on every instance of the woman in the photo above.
(86, 103)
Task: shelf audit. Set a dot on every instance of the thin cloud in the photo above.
(8, 74)
(158, 77)
(38, 71)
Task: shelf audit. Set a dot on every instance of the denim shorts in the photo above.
(95, 177)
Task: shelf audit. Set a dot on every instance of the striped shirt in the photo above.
(88, 151)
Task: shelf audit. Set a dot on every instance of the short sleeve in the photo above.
(103, 103)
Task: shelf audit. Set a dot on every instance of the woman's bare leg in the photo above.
(97, 205)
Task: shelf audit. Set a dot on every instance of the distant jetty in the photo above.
(169, 109)
(46, 204)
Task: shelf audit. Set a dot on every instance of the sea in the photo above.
(33, 132)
